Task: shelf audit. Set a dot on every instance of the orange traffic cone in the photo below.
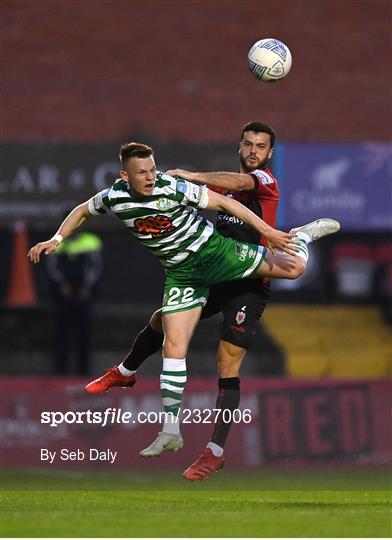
(21, 291)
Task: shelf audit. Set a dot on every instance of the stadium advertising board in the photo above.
(287, 423)
(348, 182)
(39, 182)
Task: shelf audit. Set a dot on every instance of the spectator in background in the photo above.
(74, 271)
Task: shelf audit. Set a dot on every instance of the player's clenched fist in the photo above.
(48, 247)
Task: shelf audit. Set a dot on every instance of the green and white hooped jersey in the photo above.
(166, 221)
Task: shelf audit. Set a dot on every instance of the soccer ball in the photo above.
(269, 60)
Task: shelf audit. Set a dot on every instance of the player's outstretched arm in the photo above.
(68, 226)
(229, 181)
(275, 239)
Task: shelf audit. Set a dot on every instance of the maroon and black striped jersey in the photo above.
(262, 200)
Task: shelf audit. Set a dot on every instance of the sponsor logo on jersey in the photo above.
(241, 315)
(229, 219)
(242, 251)
(154, 225)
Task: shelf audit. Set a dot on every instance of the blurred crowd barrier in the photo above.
(284, 423)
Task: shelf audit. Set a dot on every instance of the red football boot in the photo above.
(111, 378)
(205, 464)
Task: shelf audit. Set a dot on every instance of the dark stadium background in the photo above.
(81, 77)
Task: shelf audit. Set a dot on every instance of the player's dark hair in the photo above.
(133, 149)
(258, 127)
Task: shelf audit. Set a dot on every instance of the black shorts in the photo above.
(242, 303)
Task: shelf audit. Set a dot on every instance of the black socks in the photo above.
(228, 399)
(146, 343)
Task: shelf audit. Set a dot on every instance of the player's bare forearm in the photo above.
(229, 181)
(72, 222)
(276, 239)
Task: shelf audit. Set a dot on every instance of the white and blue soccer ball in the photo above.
(269, 60)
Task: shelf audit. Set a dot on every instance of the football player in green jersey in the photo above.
(162, 213)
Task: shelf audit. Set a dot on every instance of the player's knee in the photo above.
(300, 267)
(171, 350)
(297, 269)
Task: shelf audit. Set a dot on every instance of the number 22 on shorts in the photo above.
(178, 296)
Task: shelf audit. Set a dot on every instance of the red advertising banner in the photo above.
(54, 423)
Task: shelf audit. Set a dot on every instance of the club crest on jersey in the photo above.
(163, 204)
(241, 315)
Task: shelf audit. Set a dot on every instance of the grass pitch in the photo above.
(231, 504)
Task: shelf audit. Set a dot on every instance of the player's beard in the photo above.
(259, 165)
